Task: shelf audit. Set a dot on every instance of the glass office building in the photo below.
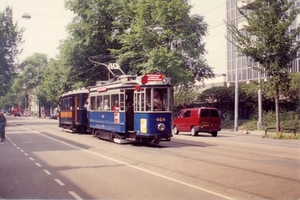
(244, 68)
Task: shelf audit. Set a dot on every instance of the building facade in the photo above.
(244, 67)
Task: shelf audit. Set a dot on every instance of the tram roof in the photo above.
(77, 91)
(126, 81)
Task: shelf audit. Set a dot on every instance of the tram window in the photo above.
(71, 103)
(99, 103)
(143, 101)
(140, 100)
(106, 105)
(86, 103)
(66, 105)
(148, 99)
(83, 101)
(122, 102)
(62, 106)
(158, 101)
(136, 101)
(115, 102)
(92, 103)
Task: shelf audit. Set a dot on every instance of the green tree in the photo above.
(90, 33)
(295, 89)
(268, 41)
(185, 97)
(177, 52)
(102, 27)
(10, 39)
(31, 78)
(54, 81)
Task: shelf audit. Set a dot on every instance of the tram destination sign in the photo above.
(152, 78)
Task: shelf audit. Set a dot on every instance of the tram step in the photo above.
(122, 141)
(131, 132)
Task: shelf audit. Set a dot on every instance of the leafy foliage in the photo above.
(10, 38)
(54, 82)
(267, 40)
(31, 77)
(177, 52)
(90, 34)
(123, 28)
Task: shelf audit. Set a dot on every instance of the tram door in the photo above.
(75, 109)
(129, 110)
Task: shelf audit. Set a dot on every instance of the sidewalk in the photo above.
(244, 132)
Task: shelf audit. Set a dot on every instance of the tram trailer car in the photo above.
(132, 108)
(73, 111)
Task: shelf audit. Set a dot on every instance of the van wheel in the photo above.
(214, 133)
(175, 130)
(194, 132)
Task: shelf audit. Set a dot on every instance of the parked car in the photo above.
(195, 120)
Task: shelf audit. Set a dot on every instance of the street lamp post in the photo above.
(259, 123)
(236, 99)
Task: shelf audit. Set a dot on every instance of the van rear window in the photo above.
(209, 113)
(214, 113)
(204, 113)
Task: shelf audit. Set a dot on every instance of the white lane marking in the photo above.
(47, 172)
(59, 182)
(25, 154)
(22, 151)
(18, 147)
(76, 196)
(31, 159)
(162, 176)
(138, 168)
(38, 164)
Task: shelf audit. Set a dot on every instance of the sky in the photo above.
(49, 18)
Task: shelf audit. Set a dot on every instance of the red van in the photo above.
(195, 120)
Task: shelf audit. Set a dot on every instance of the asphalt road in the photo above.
(40, 161)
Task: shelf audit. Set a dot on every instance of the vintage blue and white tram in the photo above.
(73, 111)
(137, 108)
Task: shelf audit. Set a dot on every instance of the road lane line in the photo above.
(25, 154)
(31, 159)
(47, 172)
(76, 196)
(38, 164)
(162, 176)
(139, 168)
(59, 182)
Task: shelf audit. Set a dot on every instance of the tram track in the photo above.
(243, 158)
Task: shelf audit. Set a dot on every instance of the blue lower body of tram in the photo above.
(153, 125)
(108, 121)
(144, 127)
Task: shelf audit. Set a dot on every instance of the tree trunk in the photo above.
(277, 108)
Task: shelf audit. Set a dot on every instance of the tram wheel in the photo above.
(156, 141)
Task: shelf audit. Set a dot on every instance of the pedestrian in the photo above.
(2, 124)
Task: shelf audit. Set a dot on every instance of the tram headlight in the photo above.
(161, 127)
